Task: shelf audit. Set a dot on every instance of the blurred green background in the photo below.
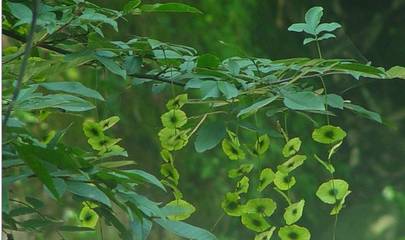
(372, 159)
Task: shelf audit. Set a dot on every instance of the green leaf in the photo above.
(396, 72)
(20, 11)
(185, 230)
(328, 134)
(193, 83)
(297, 27)
(111, 219)
(242, 186)
(170, 7)
(255, 222)
(256, 106)
(299, 233)
(208, 61)
(169, 171)
(131, 5)
(262, 206)
(132, 64)
(37, 166)
(209, 136)
(173, 139)
(144, 176)
(148, 207)
(334, 101)
(262, 144)
(177, 102)
(109, 122)
(360, 69)
(308, 40)
(267, 176)
(364, 112)
(209, 89)
(303, 101)
(174, 119)
(326, 36)
(313, 18)
(88, 217)
(292, 163)
(63, 101)
(231, 204)
(35, 223)
(291, 147)
(327, 27)
(240, 171)
(186, 209)
(283, 181)
(228, 89)
(21, 211)
(112, 66)
(72, 87)
(233, 67)
(88, 191)
(332, 191)
(90, 14)
(141, 228)
(294, 212)
(233, 151)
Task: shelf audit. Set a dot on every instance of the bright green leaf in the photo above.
(328, 134)
(332, 191)
(262, 206)
(327, 27)
(294, 212)
(255, 222)
(294, 232)
(187, 209)
(291, 147)
(396, 72)
(283, 181)
(267, 176)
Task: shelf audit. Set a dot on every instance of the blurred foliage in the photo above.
(372, 157)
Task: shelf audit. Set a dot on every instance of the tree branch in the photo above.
(27, 52)
(62, 51)
(22, 38)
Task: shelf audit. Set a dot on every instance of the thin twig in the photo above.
(217, 222)
(198, 125)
